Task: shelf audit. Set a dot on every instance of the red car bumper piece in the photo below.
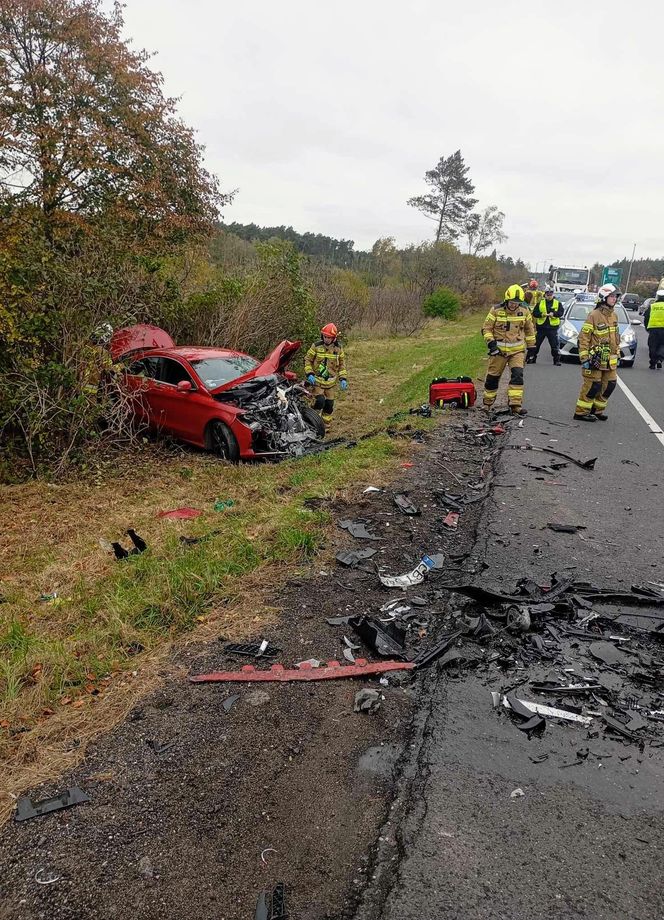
(333, 671)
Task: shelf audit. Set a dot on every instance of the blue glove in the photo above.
(311, 379)
(344, 384)
(586, 365)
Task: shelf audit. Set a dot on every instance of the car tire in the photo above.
(313, 420)
(221, 441)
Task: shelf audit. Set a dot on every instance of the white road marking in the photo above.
(643, 412)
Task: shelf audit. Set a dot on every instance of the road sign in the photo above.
(612, 276)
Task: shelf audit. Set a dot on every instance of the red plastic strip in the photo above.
(333, 671)
(180, 514)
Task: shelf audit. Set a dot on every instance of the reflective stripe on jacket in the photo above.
(600, 335)
(512, 330)
(326, 363)
(554, 306)
(655, 318)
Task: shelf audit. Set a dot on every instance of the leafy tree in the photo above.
(443, 303)
(450, 200)
(85, 130)
(484, 230)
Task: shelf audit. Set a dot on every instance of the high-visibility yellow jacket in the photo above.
(512, 330)
(326, 363)
(654, 315)
(552, 306)
(600, 334)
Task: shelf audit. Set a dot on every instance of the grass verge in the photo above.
(72, 664)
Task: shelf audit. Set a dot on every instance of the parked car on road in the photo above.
(574, 317)
(222, 400)
(631, 301)
(644, 306)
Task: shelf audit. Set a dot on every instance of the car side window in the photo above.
(146, 367)
(173, 372)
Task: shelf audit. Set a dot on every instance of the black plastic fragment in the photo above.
(158, 747)
(533, 722)
(26, 809)
(619, 728)
(566, 528)
(584, 464)
(386, 639)
(358, 530)
(608, 653)
(230, 701)
(404, 504)
(425, 658)
(352, 557)
(271, 905)
(139, 546)
(418, 601)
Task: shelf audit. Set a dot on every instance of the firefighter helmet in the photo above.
(514, 292)
(605, 291)
(331, 330)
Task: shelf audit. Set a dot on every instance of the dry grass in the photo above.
(72, 668)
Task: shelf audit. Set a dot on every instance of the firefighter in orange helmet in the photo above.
(325, 366)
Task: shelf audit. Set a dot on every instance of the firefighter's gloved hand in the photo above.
(493, 348)
(311, 379)
(586, 365)
(344, 384)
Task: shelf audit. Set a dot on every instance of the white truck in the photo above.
(568, 278)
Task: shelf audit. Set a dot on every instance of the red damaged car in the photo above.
(224, 401)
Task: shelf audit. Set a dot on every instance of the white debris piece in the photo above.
(416, 577)
(552, 713)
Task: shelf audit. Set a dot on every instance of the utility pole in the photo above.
(629, 273)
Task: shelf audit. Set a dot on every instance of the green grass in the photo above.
(108, 614)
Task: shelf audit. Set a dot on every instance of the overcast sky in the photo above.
(325, 116)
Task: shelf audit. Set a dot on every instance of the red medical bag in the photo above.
(458, 393)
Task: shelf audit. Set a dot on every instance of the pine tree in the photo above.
(449, 202)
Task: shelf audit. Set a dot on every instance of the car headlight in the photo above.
(568, 331)
(628, 337)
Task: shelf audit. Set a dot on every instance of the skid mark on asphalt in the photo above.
(643, 412)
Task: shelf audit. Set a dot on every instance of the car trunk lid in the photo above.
(141, 337)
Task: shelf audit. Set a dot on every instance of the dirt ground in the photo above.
(290, 784)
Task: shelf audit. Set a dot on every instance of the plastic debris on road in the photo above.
(367, 700)
(416, 577)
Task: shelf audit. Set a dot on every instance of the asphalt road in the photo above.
(584, 841)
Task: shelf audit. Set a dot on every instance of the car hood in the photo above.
(275, 363)
(138, 338)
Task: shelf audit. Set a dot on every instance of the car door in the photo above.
(184, 415)
(140, 385)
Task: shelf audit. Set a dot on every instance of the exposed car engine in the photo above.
(279, 418)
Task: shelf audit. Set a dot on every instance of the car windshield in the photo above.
(572, 276)
(215, 372)
(579, 311)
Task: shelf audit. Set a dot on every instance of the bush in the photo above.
(443, 303)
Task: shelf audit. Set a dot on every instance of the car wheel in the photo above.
(313, 420)
(221, 440)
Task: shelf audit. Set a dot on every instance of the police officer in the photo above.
(653, 320)
(547, 315)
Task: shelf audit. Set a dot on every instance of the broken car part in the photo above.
(352, 557)
(26, 809)
(426, 658)
(358, 530)
(367, 700)
(404, 504)
(533, 721)
(583, 464)
(542, 710)
(386, 639)
(333, 670)
(416, 577)
(253, 649)
(566, 528)
(271, 905)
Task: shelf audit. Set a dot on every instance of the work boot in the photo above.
(601, 416)
(519, 410)
(651, 366)
(659, 365)
(584, 418)
(557, 362)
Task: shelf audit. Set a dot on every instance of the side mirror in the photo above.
(636, 322)
(184, 386)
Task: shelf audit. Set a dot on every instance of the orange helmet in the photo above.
(532, 284)
(330, 329)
